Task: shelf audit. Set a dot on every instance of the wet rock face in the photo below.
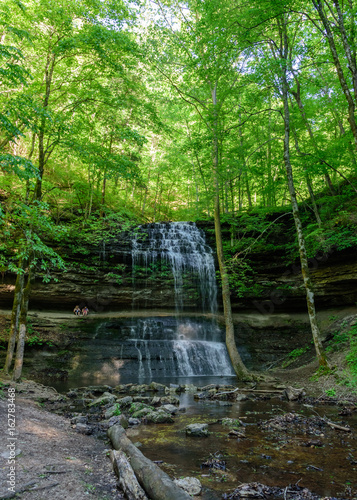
(101, 277)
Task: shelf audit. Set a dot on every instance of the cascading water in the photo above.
(179, 346)
(182, 247)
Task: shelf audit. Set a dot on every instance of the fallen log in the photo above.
(127, 479)
(156, 483)
(336, 426)
(255, 391)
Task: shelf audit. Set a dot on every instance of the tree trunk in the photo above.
(103, 196)
(238, 365)
(15, 318)
(146, 193)
(295, 208)
(156, 483)
(346, 45)
(298, 100)
(344, 85)
(20, 348)
(309, 184)
(50, 65)
(127, 479)
(338, 119)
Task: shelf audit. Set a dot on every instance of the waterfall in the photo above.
(179, 346)
(181, 246)
(159, 348)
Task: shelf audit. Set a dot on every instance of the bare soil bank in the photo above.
(54, 461)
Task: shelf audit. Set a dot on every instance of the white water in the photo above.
(182, 246)
(181, 347)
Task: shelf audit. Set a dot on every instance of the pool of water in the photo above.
(269, 457)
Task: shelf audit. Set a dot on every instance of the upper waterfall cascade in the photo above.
(182, 246)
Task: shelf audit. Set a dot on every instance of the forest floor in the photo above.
(53, 460)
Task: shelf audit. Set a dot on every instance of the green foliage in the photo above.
(241, 278)
(24, 169)
(331, 393)
(117, 410)
(37, 341)
(115, 277)
(351, 357)
(295, 354)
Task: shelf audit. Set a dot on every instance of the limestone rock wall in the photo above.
(101, 277)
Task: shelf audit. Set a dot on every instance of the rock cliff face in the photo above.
(102, 277)
(334, 276)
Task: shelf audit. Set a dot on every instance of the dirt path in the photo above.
(54, 460)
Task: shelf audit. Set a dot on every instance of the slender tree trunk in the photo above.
(232, 196)
(238, 365)
(20, 348)
(247, 188)
(156, 193)
(50, 65)
(350, 55)
(15, 318)
(295, 208)
(297, 96)
(271, 183)
(344, 85)
(103, 196)
(146, 192)
(245, 173)
(309, 184)
(337, 117)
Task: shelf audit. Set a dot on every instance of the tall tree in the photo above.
(207, 72)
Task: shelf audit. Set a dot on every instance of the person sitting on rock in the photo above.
(85, 311)
(77, 310)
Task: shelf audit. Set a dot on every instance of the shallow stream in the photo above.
(324, 461)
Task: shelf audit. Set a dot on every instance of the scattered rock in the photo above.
(191, 485)
(79, 419)
(125, 402)
(154, 386)
(142, 399)
(171, 400)
(159, 417)
(112, 411)
(116, 419)
(170, 409)
(134, 421)
(231, 422)
(139, 388)
(105, 399)
(292, 394)
(84, 429)
(143, 412)
(190, 388)
(197, 430)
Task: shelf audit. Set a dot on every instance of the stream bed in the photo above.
(322, 459)
(256, 437)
